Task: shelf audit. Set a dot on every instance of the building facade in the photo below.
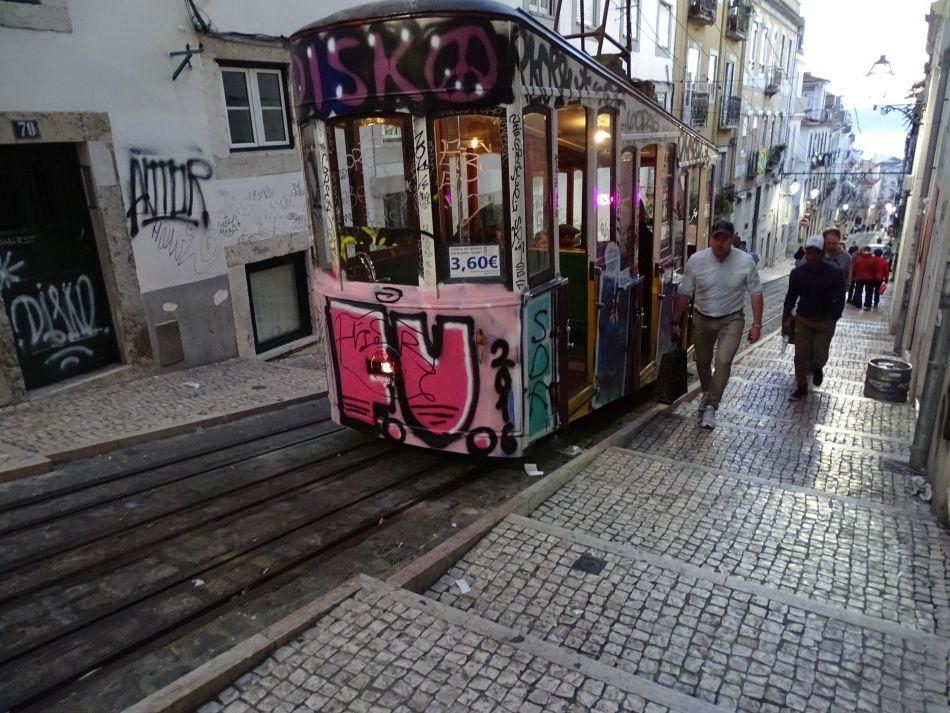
(765, 213)
(921, 318)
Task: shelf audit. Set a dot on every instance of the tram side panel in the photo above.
(445, 375)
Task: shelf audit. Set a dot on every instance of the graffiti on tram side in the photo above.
(692, 149)
(539, 365)
(434, 399)
(415, 64)
(553, 75)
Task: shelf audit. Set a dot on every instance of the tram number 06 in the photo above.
(473, 263)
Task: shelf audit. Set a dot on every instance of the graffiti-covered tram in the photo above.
(499, 222)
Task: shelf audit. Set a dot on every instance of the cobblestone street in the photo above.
(781, 562)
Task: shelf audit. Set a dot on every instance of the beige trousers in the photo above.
(721, 337)
(812, 341)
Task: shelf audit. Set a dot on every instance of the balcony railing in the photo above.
(699, 109)
(703, 11)
(731, 112)
(774, 78)
(738, 20)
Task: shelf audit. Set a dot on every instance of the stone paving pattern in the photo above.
(777, 563)
(710, 641)
(374, 653)
(883, 564)
(67, 420)
(813, 463)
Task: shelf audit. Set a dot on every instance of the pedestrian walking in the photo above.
(717, 280)
(864, 271)
(835, 254)
(816, 299)
(881, 275)
(853, 248)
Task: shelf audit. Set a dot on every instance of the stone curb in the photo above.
(96, 448)
(195, 687)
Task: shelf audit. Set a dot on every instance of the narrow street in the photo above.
(780, 562)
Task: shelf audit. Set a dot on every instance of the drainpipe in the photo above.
(933, 383)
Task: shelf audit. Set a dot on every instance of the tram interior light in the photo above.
(601, 135)
(603, 199)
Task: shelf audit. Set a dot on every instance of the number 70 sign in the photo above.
(26, 128)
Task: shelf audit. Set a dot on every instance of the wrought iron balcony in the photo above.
(738, 20)
(703, 11)
(731, 112)
(774, 79)
(699, 109)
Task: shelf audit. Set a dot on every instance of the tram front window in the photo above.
(470, 189)
(378, 233)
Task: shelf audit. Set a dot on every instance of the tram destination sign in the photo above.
(474, 261)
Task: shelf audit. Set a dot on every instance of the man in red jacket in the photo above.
(881, 274)
(863, 272)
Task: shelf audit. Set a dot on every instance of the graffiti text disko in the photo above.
(416, 65)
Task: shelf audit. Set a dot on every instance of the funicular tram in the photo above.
(499, 220)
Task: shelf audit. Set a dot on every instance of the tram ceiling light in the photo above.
(601, 135)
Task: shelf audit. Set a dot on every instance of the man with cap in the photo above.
(834, 254)
(817, 288)
(717, 280)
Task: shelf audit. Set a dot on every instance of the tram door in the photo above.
(572, 236)
(646, 256)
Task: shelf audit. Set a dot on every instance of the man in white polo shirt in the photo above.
(717, 280)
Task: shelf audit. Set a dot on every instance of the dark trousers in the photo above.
(877, 292)
(863, 292)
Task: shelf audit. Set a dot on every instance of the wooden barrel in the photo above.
(887, 379)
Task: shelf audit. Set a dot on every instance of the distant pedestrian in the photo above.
(853, 248)
(717, 280)
(816, 288)
(864, 271)
(881, 274)
(836, 255)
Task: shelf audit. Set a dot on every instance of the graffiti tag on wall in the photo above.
(410, 64)
(165, 189)
(436, 394)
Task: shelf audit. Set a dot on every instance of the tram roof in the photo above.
(385, 9)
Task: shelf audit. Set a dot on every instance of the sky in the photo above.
(843, 38)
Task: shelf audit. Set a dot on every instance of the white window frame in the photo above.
(544, 8)
(595, 13)
(660, 33)
(634, 21)
(257, 115)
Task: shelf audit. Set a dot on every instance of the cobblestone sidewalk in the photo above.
(70, 424)
(781, 562)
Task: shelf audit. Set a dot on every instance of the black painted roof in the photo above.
(384, 9)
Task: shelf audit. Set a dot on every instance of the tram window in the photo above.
(604, 141)
(692, 212)
(572, 163)
(626, 184)
(646, 209)
(470, 204)
(379, 237)
(538, 193)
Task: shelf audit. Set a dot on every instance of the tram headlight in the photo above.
(383, 362)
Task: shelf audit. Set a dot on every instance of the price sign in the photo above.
(26, 128)
(474, 261)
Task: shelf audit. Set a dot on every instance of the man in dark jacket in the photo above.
(817, 288)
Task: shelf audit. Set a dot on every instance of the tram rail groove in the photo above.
(49, 496)
(64, 543)
(22, 696)
(134, 551)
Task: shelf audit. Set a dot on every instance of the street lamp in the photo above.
(794, 187)
(846, 206)
(890, 208)
(814, 193)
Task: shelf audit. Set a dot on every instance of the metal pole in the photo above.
(932, 391)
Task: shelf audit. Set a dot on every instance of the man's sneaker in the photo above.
(798, 395)
(818, 377)
(709, 418)
(703, 401)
